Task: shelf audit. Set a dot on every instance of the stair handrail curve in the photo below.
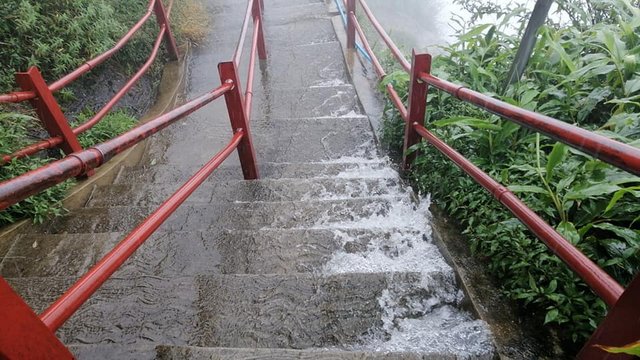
(618, 154)
(40, 94)
(27, 334)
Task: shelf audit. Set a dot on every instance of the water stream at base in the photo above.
(424, 316)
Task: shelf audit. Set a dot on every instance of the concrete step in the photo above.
(304, 310)
(170, 174)
(287, 140)
(164, 254)
(235, 216)
(201, 353)
(141, 194)
(316, 102)
(285, 251)
(282, 311)
(128, 311)
(313, 65)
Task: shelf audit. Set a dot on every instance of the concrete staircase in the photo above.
(328, 256)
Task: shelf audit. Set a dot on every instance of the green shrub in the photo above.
(590, 78)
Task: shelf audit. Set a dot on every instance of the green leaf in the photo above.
(551, 316)
(592, 191)
(569, 232)
(632, 237)
(555, 157)
(631, 349)
(527, 189)
(619, 194)
(474, 32)
(467, 121)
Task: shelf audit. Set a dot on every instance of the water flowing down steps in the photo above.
(328, 256)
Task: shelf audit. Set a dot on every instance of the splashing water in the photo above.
(397, 238)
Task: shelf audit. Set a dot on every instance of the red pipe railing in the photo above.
(34, 181)
(80, 162)
(155, 6)
(620, 155)
(61, 310)
(613, 152)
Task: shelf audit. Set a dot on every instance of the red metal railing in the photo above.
(25, 334)
(41, 94)
(613, 152)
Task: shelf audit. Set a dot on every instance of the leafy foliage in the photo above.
(588, 77)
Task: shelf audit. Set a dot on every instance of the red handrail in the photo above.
(81, 162)
(55, 141)
(19, 96)
(60, 311)
(602, 283)
(34, 181)
(243, 33)
(164, 32)
(620, 155)
(613, 152)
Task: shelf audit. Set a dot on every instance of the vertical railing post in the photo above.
(163, 20)
(620, 327)
(239, 122)
(351, 27)
(257, 15)
(48, 110)
(22, 334)
(420, 63)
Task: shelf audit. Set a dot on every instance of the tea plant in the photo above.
(585, 76)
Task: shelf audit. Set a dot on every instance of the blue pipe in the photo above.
(344, 21)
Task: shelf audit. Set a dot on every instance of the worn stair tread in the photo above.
(307, 310)
(161, 173)
(134, 310)
(292, 310)
(235, 215)
(165, 254)
(317, 102)
(284, 251)
(140, 194)
(300, 67)
(167, 352)
(325, 139)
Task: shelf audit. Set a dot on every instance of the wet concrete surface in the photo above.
(198, 353)
(262, 264)
(264, 190)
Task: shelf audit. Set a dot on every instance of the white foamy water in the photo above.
(396, 237)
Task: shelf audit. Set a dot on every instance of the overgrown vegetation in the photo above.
(584, 75)
(57, 37)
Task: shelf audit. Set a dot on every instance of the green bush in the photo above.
(590, 78)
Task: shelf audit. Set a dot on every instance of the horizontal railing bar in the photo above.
(19, 96)
(63, 308)
(237, 55)
(623, 156)
(374, 60)
(248, 94)
(395, 98)
(394, 49)
(602, 283)
(78, 163)
(123, 91)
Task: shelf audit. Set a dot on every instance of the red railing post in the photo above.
(48, 110)
(257, 15)
(620, 327)
(22, 334)
(237, 115)
(417, 106)
(163, 20)
(351, 27)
